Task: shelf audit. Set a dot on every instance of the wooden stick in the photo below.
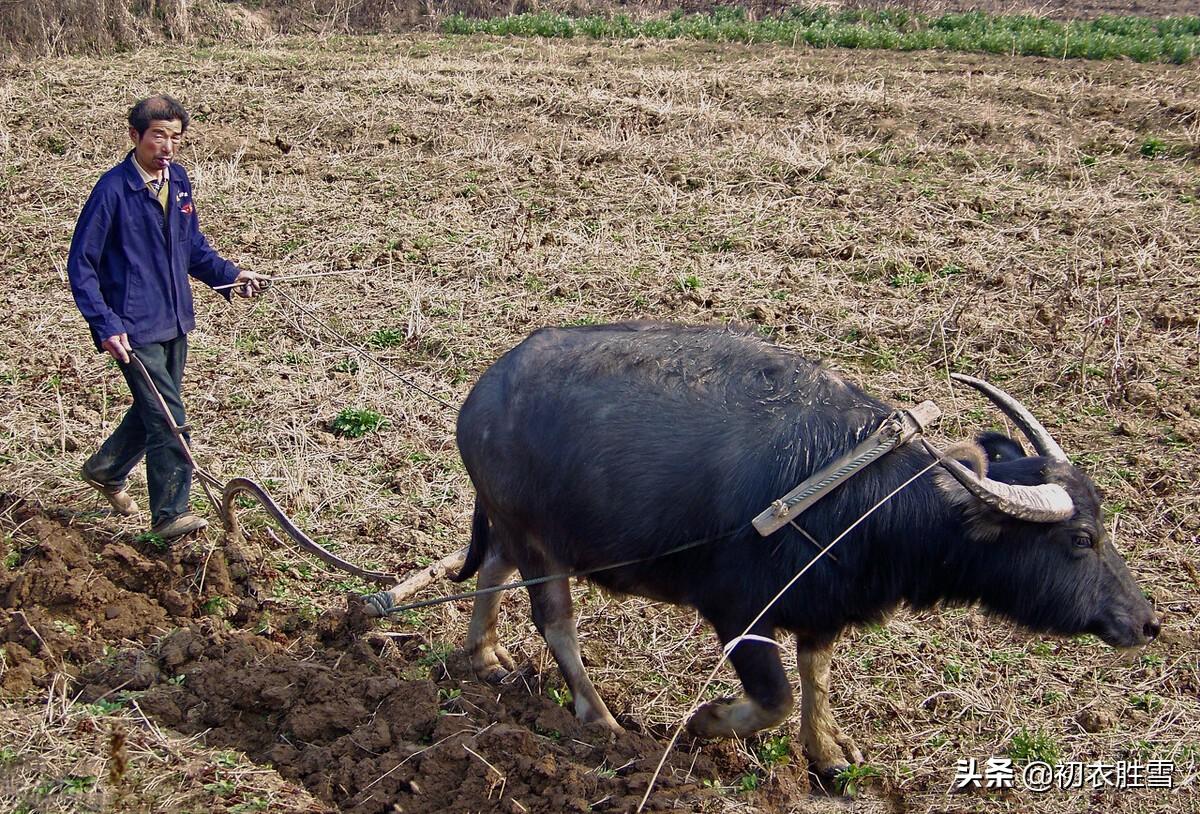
(445, 567)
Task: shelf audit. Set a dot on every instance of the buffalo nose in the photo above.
(1152, 628)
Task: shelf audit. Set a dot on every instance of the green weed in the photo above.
(103, 706)
(907, 278)
(215, 606)
(385, 338)
(953, 672)
(774, 751)
(748, 782)
(155, 541)
(355, 423)
(221, 788)
(435, 653)
(1145, 701)
(63, 626)
(853, 779)
(1155, 148)
(1029, 746)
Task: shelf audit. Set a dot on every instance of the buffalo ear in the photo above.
(971, 455)
(983, 524)
(1000, 448)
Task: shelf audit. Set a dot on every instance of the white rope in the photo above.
(747, 635)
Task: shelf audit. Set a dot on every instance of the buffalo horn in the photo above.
(1019, 415)
(1044, 503)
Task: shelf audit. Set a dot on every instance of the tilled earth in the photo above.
(366, 722)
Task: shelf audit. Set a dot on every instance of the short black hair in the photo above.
(159, 107)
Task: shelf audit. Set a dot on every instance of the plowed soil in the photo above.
(366, 722)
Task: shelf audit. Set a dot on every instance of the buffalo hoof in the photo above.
(737, 719)
(836, 758)
(493, 664)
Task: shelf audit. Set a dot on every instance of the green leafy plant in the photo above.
(853, 779)
(355, 423)
(13, 558)
(1145, 701)
(103, 706)
(748, 782)
(385, 338)
(215, 606)
(435, 653)
(79, 784)
(774, 751)
(1155, 148)
(155, 541)
(560, 695)
(908, 277)
(221, 788)
(1029, 746)
(953, 672)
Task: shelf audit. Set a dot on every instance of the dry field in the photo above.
(901, 216)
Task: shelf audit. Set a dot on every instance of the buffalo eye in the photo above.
(1082, 540)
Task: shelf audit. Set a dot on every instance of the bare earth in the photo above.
(1032, 221)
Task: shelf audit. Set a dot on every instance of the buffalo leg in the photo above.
(490, 661)
(829, 750)
(555, 619)
(768, 698)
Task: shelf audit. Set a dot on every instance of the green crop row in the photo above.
(1142, 39)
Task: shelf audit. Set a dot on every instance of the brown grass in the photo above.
(898, 215)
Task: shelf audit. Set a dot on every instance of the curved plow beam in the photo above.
(246, 486)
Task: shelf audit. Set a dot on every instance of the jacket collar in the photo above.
(134, 178)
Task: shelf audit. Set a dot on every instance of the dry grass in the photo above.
(64, 757)
(898, 215)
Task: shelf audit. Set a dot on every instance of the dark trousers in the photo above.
(144, 431)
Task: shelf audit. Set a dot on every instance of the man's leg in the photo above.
(168, 473)
(109, 468)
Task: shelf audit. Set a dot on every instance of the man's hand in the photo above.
(118, 347)
(252, 284)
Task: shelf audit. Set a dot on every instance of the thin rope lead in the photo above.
(725, 654)
(525, 583)
(362, 352)
(287, 278)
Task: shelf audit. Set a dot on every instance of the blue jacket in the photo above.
(128, 273)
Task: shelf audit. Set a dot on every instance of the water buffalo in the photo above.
(596, 445)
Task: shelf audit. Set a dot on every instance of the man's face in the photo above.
(157, 146)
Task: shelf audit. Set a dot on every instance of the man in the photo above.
(135, 244)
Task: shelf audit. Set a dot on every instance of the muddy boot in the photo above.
(121, 501)
(178, 526)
